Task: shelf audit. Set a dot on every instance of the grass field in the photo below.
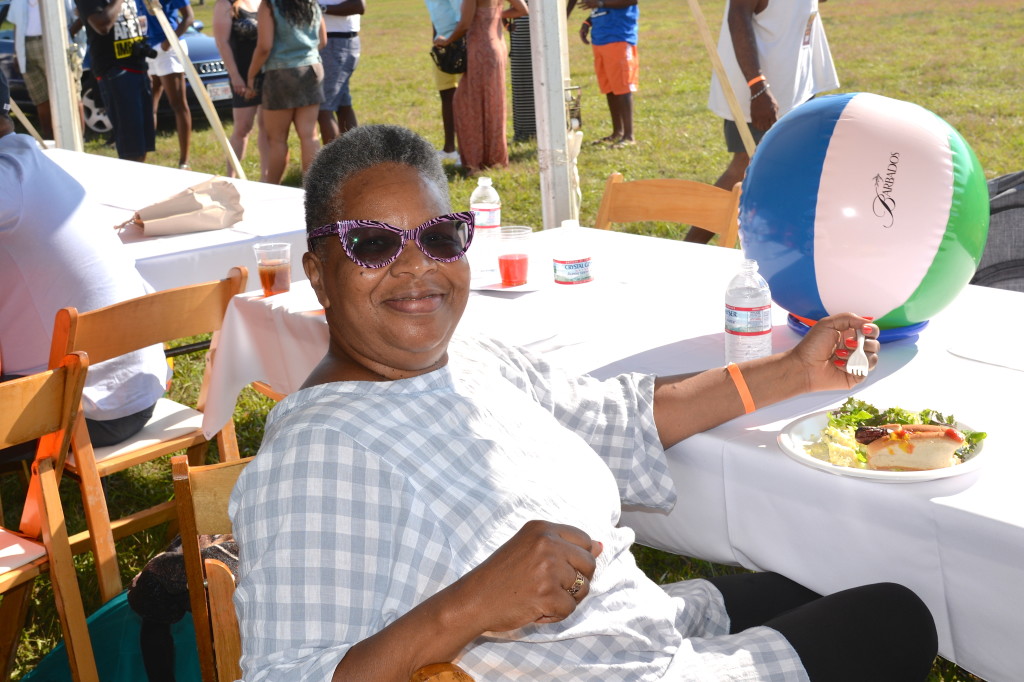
(960, 60)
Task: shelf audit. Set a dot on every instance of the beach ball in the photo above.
(865, 204)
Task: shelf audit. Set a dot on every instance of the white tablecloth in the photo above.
(119, 188)
(656, 306)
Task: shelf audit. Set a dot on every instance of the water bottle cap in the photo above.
(483, 181)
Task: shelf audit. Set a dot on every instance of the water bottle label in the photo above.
(486, 216)
(755, 321)
(572, 271)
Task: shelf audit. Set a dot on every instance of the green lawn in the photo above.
(960, 60)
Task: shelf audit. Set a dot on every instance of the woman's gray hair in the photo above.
(361, 148)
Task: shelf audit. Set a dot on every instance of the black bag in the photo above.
(452, 58)
(1002, 263)
(159, 595)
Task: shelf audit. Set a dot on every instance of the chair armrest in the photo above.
(440, 672)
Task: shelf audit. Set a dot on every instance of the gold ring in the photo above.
(577, 584)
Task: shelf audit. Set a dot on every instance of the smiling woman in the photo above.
(392, 319)
(458, 498)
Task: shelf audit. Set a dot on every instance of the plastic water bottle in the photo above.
(571, 260)
(748, 315)
(486, 208)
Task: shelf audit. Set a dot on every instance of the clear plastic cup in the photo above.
(514, 254)
(273, 260)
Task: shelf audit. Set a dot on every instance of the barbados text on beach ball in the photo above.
(866, 204)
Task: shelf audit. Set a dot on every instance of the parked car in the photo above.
(202, 51)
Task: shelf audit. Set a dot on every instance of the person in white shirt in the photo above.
(776, 57)
(53, 255)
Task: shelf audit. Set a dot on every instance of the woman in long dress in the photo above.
(480, 98)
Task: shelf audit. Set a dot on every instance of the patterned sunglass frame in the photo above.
(343, 227)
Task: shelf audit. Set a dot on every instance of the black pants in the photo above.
(881, 632)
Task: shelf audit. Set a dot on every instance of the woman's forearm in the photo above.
(685, 405)
(259, 58)
(435, 631)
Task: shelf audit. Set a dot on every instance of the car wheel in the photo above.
(96, 118)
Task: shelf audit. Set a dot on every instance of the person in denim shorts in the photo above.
(290, 35)
(339, 57)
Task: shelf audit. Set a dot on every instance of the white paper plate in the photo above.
(801, 432)
(498, 286)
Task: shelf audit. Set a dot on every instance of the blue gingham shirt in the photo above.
(367, 498)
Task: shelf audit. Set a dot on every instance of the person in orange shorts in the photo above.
(612, 29)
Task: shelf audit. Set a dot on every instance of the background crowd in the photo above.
(290, 63)
(306, 54)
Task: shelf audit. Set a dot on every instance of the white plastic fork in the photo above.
(857, 364)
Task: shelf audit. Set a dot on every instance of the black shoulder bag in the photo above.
(451, 58)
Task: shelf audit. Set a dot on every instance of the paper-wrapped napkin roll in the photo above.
(211, 205)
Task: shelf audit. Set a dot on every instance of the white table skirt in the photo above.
(656, 306)
(119, 188)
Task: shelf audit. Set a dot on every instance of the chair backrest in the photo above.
(161, 316)
(671, 200)
(45, 406)
(201, 494)
(40, 406)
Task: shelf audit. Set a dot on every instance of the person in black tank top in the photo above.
(235, 30)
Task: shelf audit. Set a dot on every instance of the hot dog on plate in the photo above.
(911, 447)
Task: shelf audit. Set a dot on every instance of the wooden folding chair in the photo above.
(266, 389)
(113, 331)
(202, 494)
(43, 406)
(671, 200)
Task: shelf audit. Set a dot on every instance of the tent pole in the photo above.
(549, 54)
(63, 93)
(20, 115)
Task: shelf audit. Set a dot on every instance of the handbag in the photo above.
(451, 58)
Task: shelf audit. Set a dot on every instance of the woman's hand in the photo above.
(238, 86)
(764, 110)
(441, 41)
(529, 578)
(822, 353)
(250, 89)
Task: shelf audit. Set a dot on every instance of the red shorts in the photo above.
(617, 67)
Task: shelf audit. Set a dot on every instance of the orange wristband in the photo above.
(741, 387)
(755, 79)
